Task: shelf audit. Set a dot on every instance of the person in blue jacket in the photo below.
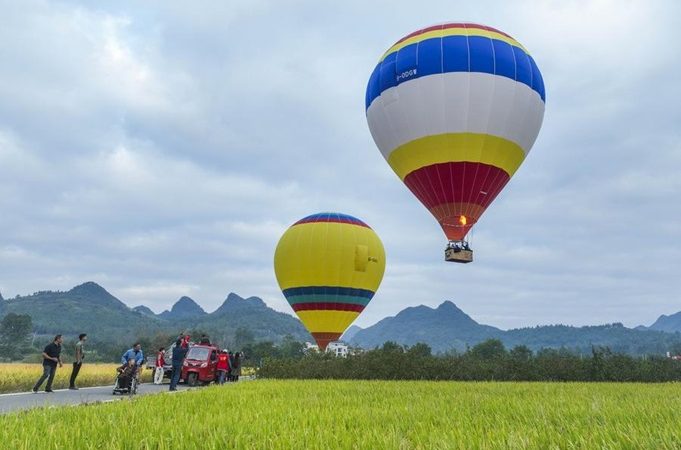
(136, 353)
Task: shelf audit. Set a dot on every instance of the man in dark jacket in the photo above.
(51, 358)
(179, 354)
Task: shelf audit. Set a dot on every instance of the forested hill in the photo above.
(89, 308)
(447, 327)
(671, 323)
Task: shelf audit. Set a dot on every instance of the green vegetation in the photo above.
(371, 415)
(448, 328)
(15, 330)
(238, 322)
(90, 309)
(487, 361)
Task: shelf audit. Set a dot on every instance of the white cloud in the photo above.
(161, 149)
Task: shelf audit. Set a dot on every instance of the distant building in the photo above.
(338, 348)
(674, 357)
(310, 347)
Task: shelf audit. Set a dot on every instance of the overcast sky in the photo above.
(161, 149)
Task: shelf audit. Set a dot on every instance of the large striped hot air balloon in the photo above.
(329, 266)
(455, 109)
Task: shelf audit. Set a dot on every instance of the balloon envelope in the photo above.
(329, 266)
(455, 109)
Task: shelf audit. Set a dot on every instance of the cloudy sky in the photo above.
(161, 148)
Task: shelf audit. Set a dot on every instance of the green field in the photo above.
(366, 414)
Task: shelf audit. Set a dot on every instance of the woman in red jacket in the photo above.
(223, 366)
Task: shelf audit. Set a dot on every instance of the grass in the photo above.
(22, 377)
(368, 415)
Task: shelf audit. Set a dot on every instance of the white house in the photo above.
(338, 348)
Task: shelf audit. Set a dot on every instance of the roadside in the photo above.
(19, 401)
(20, 377)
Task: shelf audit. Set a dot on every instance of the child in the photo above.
(223, 366)
(160, 362)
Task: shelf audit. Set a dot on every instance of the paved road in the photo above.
(61, 397)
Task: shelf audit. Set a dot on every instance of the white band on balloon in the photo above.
(456, 102)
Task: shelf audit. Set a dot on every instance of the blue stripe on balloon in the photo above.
(331, 217)
(328, 290)
(454, 54)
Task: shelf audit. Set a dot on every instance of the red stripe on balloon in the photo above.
(457, 182)
(332, 220)
(327, 306)
(452, 25)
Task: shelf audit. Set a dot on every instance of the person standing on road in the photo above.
(77, 360)
(230, 357)
(223, 366)
(160, 363)
(179, 354)
(236, 368)
(184, 340)
(51, 358)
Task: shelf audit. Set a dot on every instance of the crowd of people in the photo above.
(227, 363)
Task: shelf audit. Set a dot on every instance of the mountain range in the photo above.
(448, 328)
(90, 308)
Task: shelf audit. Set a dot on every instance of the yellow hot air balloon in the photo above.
(329, 266)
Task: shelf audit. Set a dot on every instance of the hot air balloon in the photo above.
(455, 109)
(329, 266)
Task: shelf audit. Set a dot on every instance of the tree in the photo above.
(15, 331)
(521, 353)
(489, 349)
(419, 350)
(392, 347)
(256, 352)
(243, 337)
(290, 348)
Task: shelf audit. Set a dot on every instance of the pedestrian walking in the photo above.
(179, 354)
(160, 363)
(51, 358)
(78, 357)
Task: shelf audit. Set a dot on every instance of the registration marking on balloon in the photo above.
(329, 266)
(458, 127)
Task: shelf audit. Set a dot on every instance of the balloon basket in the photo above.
(458, 252)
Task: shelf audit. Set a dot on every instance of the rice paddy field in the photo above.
(22, 377)
(274, 414)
